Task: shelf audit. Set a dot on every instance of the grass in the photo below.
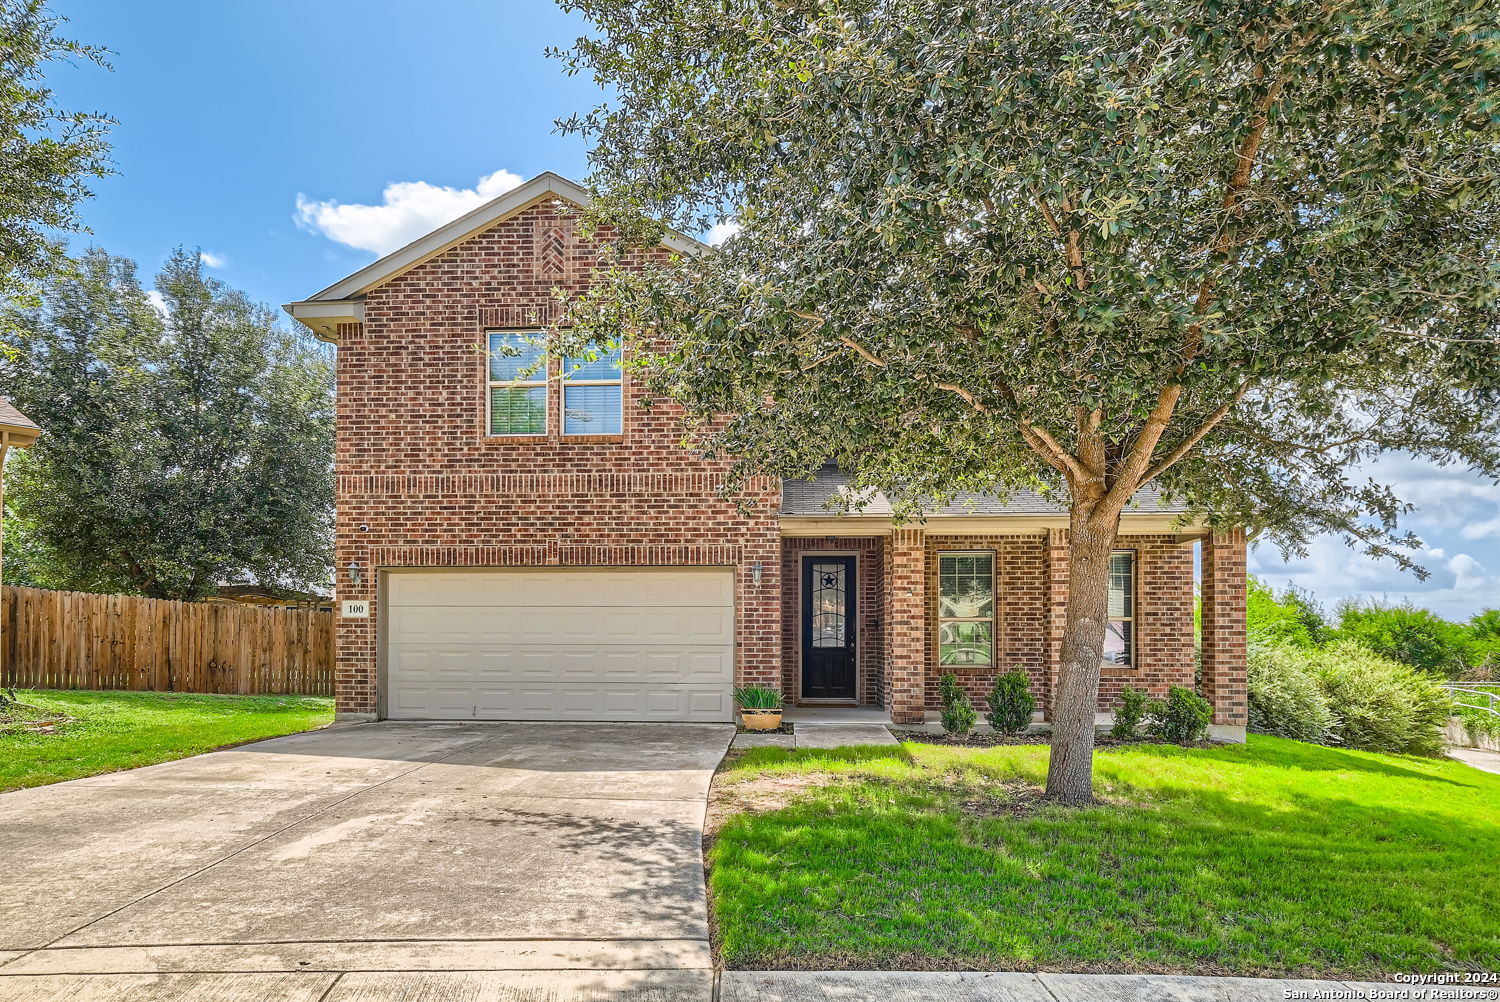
(1271, 858)
(109, 731)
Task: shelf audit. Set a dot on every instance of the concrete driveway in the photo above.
(371, 862)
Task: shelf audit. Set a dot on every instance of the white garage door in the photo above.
(560, 644)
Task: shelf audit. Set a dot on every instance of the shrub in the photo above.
(959, 715)
(1134, 703)
(1182, 717)
(1286, 696)
(1380, 704)
(1011, 702)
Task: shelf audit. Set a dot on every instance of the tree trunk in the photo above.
(1091, 537)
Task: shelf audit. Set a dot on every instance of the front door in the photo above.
(828, 628)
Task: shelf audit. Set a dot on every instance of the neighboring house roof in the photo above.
(342, 302)
(17, 428)
(807, 498)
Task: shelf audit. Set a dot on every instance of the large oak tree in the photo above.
(1234, 247)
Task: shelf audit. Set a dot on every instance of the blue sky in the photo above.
(292, 141)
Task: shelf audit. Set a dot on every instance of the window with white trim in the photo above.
(966, 609)
(1119, 637)
(593, 394)
(517, 383)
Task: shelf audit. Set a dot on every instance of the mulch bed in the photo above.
(989, 739)
(785, 728)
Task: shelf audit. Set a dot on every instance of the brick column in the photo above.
(905, 641)
(1223, 632)
(1054, 609)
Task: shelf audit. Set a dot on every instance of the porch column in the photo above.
(905, 594)
(1223, 632)
(1054, 609)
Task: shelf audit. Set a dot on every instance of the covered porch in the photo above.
(873, 614)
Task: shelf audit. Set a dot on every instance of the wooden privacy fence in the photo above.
(73, 640)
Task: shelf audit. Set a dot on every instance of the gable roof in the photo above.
(16, 428)
(342, 302)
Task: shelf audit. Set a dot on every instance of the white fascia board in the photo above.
(323, 318)
(997, 525)
(543, 186)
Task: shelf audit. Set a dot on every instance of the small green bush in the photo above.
(1181, 718)
(1134, 702)
(1380, 704)
(1286, 696)
(1011, 702)
(959, 715)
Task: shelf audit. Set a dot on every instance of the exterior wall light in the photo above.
(755, 570)
(355, 575)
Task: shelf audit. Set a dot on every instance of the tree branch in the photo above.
(1208, 425)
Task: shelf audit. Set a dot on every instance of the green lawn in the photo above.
(1274, 857)
(121, 730)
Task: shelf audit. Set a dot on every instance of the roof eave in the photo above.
(324, 317)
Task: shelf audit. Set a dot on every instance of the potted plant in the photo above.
(760, 707)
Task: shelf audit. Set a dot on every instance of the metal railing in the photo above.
(1474, 696)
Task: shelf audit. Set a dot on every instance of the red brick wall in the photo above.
(1030, 592)
(1224, 627)
(906, 634)
(869, 555)
(420, 483)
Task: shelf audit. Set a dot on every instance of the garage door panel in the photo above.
(574, 625)
(410, 663)
(550, 644)
(532, 588)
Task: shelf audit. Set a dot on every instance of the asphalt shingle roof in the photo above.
(9, 415)
(807, 498)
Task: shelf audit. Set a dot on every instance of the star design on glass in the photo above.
(830, 580)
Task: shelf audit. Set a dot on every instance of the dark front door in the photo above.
(828, 628)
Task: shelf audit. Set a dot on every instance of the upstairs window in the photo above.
(966, 609)
(518, 384)
(593, 395)
(1119, 638)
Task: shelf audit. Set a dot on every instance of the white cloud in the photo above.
(157, 300)
(407, 210)
(213, 260)
(721, 232)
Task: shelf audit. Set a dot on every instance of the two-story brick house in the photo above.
(543, 548)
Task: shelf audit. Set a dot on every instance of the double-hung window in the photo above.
(593, 394)
(1119, 637)
(518, 383)
(966, 609)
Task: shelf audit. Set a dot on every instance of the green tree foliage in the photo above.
(1417, 637)
(1235, 248)
(47, 154)
(1292, 617)
(184, 448)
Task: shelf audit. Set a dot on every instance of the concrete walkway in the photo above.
(821, 734)
(914, 986)
(371, 862)
(1479, 758)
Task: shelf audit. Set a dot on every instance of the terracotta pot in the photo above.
(761, 720)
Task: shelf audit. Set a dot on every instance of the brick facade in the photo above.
(421, 483)
(1223, 628)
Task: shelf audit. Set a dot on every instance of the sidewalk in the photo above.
(918, 986)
